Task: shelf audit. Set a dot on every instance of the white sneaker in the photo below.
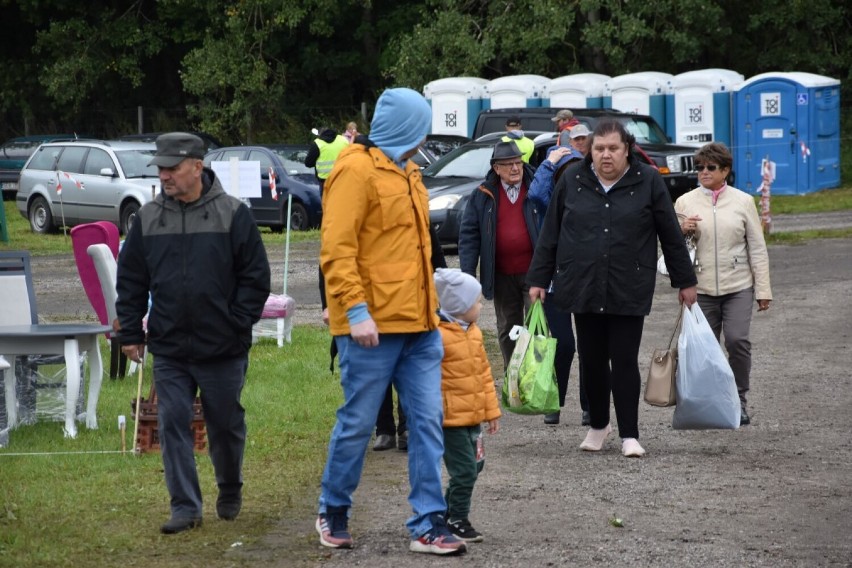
(595, 439)
(630, 448)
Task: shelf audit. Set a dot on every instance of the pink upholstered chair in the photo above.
(82, 237)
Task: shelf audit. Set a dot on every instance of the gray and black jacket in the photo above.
(206, 268)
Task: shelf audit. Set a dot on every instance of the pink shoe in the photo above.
(630, 448)
(595, 439)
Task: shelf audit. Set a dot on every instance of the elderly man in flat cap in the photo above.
(498, 233)
(198, 252)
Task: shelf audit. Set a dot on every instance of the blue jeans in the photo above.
(412, 363)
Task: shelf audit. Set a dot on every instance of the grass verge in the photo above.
(104, 509)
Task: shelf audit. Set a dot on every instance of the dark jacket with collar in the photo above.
(603, 246)
(206, 268)
(477, 233)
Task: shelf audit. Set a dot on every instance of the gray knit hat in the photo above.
(457, 291)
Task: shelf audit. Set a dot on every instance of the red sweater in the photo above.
(514, 247)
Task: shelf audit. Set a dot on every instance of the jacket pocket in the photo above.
(396, 207)
(394, 288)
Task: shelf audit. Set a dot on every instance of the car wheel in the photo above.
(298, 217)
(128, 215)
(41, 219)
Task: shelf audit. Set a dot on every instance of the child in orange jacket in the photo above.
(468, 393)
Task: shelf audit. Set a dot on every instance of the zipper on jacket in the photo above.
(716, 247)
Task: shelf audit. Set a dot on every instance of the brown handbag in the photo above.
(660, 387)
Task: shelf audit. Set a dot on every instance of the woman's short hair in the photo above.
(715, 153)
(608, 126)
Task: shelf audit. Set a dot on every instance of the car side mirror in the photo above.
(107, 172)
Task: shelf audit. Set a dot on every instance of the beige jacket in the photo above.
(730, 250)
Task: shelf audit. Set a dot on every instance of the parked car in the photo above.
(292, 177)
(210, 141)
(14, 154)
(100, 181)
(437, 145)
(674, 162)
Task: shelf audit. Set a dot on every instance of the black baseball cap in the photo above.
(175, 147)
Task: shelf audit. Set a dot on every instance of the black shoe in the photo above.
(384, 442)
(464, 531)
(587, 418)
(179, 524)
(552, 418)
(745, 420)
(402, 442)
(228, 505)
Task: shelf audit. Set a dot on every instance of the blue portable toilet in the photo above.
(456, 103)
(582, 90)
(639, 93)
(794, 119)
(699, 106)
(520, 91)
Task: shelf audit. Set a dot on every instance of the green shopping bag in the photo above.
(530, 383)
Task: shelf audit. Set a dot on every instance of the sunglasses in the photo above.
(709, 167)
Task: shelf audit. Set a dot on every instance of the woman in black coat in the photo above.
(599, 238)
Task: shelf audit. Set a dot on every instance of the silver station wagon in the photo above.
(80, 181)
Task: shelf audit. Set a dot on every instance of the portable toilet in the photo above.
(456, 102)
(521, 91)
(699, 106)
(794, 120)
(639, 93)
(583, 90)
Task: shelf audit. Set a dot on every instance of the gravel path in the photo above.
(776, 493)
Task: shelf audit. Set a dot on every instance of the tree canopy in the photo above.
(269, 70)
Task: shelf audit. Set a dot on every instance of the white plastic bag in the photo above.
(706, 392)
(690, 246)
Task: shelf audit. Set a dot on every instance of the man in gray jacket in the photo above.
(198, 252)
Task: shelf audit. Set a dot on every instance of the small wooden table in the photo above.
(67, 339)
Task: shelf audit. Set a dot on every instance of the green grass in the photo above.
(838, 199)
(22, 238)
(104, 509)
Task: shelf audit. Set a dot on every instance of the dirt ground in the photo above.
(776, 493)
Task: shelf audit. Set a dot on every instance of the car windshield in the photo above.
(135, 163)
(294, 161)
(645, 131)
(471, 162)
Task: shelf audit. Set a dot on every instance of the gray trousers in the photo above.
(730, 315)
(511, 302)
(220, 384)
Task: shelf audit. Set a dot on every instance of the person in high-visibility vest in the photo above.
(323, 152)
(516, 135)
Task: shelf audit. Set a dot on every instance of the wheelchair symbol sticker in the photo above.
(802, 99)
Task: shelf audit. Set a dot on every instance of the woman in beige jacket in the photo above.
(731, 261)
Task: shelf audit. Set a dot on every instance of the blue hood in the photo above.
(401, 122)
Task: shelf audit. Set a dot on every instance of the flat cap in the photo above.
(175, 147)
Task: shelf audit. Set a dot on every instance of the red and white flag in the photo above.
(59, 175)
(272, 186)
(805, 151)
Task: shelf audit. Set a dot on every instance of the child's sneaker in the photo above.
(464, 531)
(438, 540)
(332, 527)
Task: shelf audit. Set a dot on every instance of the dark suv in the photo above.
(675, 163)
(15, 152)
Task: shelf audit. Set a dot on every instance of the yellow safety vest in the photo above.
(525, 145)
(328, 152)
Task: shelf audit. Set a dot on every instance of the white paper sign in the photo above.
(240, 179)
(770, 104)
